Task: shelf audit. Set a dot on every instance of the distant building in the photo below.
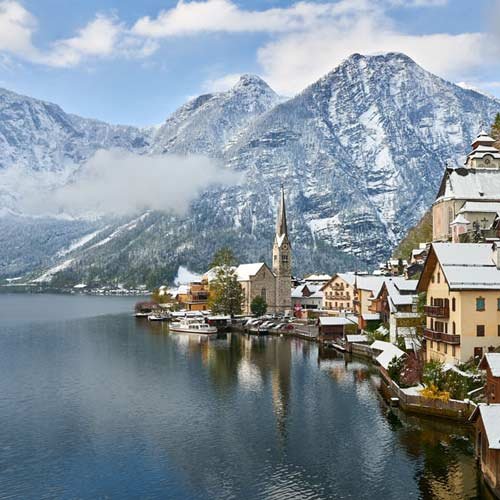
(307, 296)
(193, 297)
(487, 422)
(468, 201)
(462, 286)
(491, 363)
(396, 303)
(317, 279)
(366, 288)
(338, 293)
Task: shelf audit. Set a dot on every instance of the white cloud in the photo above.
(221, 84)
(16, 29)
(119, 182)
(104, 36)
(211, 16)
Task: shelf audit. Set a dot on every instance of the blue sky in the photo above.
(135, 62)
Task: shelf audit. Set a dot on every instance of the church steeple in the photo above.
(282, 259)
(281, 227)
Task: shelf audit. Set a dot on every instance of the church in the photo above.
(467, 206)
(273, 285)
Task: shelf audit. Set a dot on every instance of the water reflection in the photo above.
(113, 407)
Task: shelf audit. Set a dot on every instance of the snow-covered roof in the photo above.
(356, 338)
(371, 316)
(483, 137)
(490, 414)
(472, 184)
(318, 277)
(459, 219)
(349, 278)
(389, 352)
(468, 265)
(370, 282)
(481, 207)
(315, 292)
(334, 321)
(246, 271)
(493, 360)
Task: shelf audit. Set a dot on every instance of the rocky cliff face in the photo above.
(360, 153)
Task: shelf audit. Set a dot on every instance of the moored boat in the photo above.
(158, 316)
(197, 327)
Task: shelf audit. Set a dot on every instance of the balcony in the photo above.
(437, 311)
(441, 337)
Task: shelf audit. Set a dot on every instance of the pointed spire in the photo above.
(281, 227)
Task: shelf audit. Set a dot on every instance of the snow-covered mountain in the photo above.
(360, 153)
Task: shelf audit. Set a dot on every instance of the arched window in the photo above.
(453, 304)
(263, 293)
(454, 327)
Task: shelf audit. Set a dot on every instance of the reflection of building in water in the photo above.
(449, 469)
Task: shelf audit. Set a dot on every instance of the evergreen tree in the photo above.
(226, 294)
(223, 257)
(495, 130)
(258, 306)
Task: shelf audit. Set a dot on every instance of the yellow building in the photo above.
(462, 283)
(338, 293)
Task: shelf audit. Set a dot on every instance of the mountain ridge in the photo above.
(360, 152)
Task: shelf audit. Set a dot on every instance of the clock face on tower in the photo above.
(285, 246)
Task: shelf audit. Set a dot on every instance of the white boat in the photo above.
(195, 326)
(159, 316)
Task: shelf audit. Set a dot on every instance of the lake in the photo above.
(97, 404)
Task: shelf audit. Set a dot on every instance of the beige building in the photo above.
(469, 197)
(257, 279)
(462, 284)
(338, 293)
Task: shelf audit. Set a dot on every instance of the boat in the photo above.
(195, 326)
(158, 316)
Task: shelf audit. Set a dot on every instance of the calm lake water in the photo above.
(97, 404)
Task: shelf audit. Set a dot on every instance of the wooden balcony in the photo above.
(441, 337)
(437, 311)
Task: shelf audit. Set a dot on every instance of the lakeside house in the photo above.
(366, 288)
(491, 364)
(462, 286)
(338, 293)
(333, 328)
(487, 448)
(396, 303)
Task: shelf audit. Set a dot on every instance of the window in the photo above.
(480, 304)
(480, 330)
(439, 277)
(263, 294)
(438, 346)
(284, 259)
(453, 350)
(453, 304)
(498, 330)
(432, 344)
(432, 279)
(446, 348)
(498, 304)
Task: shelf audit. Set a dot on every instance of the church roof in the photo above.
(470, 184)
(483, 137)
(246, 271)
